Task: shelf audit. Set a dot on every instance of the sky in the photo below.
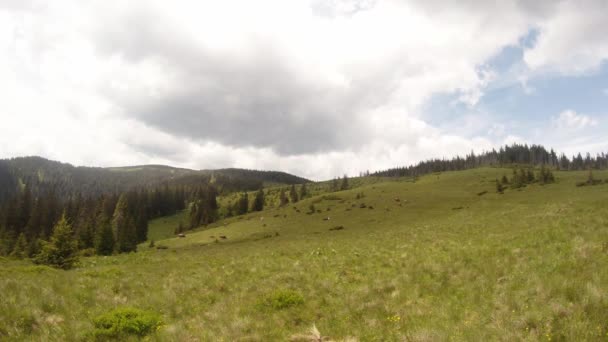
(317, 88)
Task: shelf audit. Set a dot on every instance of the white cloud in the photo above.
(572, 40)
(571, 120)
(314, 88)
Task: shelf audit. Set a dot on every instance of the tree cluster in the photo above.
(204, 206)
(531, 155)
(113, 223)
(522, 177)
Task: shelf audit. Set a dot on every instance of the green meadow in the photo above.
(442, 258)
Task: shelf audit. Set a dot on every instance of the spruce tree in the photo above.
(504, 180)
(499, 188)
(258, 201)
(334, 185)
(303, 191)
(104, 236)
(283, 200)
(243, 204)
(61, 250)
(124, 226)
(20, 248)
(293, 194)
(344, 185)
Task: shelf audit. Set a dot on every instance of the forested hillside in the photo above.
(65, 180)
(533, 155)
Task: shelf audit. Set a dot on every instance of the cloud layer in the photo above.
(316, 88)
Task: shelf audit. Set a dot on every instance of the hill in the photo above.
(43, 174)
(444, 257)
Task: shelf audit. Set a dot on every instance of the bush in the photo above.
(122, 322)
(282, 299)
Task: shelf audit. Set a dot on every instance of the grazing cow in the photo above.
(223, 237)
(181, 235)
(326, 218)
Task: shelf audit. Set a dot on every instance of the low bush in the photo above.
(282, 299)
(123, 322)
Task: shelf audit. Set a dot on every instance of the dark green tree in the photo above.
(104, 236)
(258, 201)
(293, 194)
(20, 248)
(283, 200)
(499, 187)
(61, 250)
(344, 185)
(303, 191)
(504, 180)
(243, 204)
(124, 226)
(334, 185)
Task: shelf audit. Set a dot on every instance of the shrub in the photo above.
(122, 322)
(282, 299)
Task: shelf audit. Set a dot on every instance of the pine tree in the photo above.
(530, 176)
(303, 191)
(243, 204)
(20, 249)
(344, 185)
(124, 226)
(258, 201)
(293, 195)
(499, 187)
(61, 250)
(504, 180)
(283, 200)
(104, 236)
(334, 185)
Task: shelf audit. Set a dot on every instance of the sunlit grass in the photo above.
(431, 261)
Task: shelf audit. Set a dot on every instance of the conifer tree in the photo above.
(504, 180)
(258, 201)
(303, 191)
(334, 184)
(499, 187)
(293, 195)
(195, 215)
(283, 200)
(20, 249)
(124, 226)
(529, 176)
(243, 204)
(104, 236)
(61, 250)
(33, 247)
(344, 185)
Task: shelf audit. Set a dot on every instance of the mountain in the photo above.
(41, 174)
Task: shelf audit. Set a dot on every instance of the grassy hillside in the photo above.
(433, 260)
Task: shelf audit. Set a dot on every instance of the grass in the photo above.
(431, 261)
(164, 227)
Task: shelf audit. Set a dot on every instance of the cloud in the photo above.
(572, 40)
(571, 120)
(317, 88)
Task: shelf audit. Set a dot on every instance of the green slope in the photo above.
(433, 260)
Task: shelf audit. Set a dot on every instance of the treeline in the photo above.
(533, 155)
(104, 224)
(66, 181)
